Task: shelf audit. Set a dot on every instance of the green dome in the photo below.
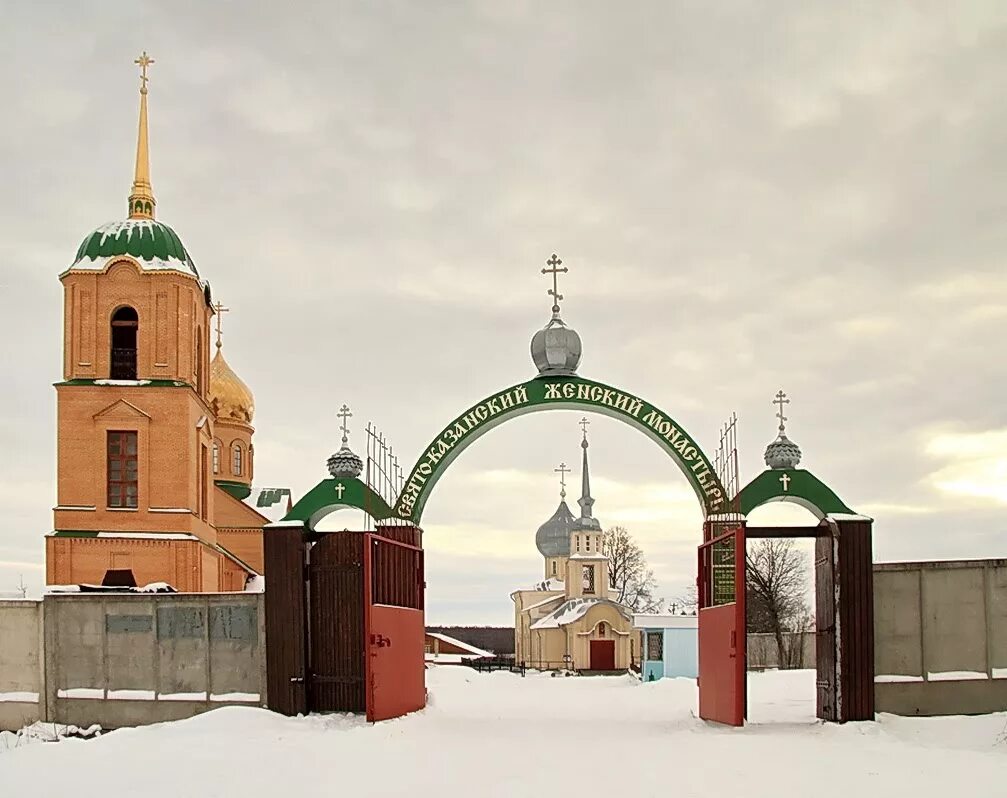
(152, 244)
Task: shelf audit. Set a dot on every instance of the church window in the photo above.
(588, 579)
(216, 457)
(655, 646)
(202, 483)
(587, 542)
(125, 324)
(122, 470)
(601, 629)
(576, 541)
(554, 568)
(236, 459)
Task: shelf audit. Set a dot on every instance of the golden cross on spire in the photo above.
(554, 262)
(781, 400)
(584, 425)
(143, 62)
(562, 471)
(220, 310)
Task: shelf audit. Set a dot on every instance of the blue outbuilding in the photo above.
(669, 646)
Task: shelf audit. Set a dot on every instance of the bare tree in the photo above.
(776, 582)
(632, 582)
(686, 603)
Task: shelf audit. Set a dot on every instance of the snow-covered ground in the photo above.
(501, 735)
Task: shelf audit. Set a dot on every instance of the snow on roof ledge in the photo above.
(848, 517)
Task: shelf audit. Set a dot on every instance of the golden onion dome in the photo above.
(230, 398)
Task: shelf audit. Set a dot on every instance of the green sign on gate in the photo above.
(557, 393)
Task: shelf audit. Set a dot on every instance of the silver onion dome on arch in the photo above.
(556, 348)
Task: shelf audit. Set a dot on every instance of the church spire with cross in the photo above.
(556, 348)
(587, 521)
(783, 453)
(141, 197)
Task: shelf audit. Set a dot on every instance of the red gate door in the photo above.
(393, 627)
(722, 640)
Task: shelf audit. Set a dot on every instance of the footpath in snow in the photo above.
(502, 735)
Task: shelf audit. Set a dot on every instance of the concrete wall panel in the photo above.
(129, 645)
(897, 628)
(77, 627)
(954, 628)
(961, 632)
(997, 609)
(22, 688)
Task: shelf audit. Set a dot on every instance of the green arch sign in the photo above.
(559, 393)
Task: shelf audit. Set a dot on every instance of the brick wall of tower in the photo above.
(173, 331)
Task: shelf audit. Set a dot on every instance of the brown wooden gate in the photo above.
(844, 614)
(336, 627)
(286, 642)
(318, 607)
(825, 626)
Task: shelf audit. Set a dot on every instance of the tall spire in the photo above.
(141, 198)
(585, 501)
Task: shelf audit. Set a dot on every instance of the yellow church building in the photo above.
(568, 621)
(155, 459)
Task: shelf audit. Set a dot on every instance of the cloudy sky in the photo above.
(749, 196)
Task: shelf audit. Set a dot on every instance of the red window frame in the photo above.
(122, 469)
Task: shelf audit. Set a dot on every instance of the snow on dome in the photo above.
(153, 245)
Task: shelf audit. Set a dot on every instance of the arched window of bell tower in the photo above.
(125, 328)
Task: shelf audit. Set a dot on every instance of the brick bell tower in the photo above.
(135, 428)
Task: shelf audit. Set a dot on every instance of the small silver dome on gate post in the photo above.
(556, 348)
(345, 464)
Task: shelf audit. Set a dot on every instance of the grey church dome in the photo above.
(344, 463)
(553, 537)
(555, 348)
(783, 453)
